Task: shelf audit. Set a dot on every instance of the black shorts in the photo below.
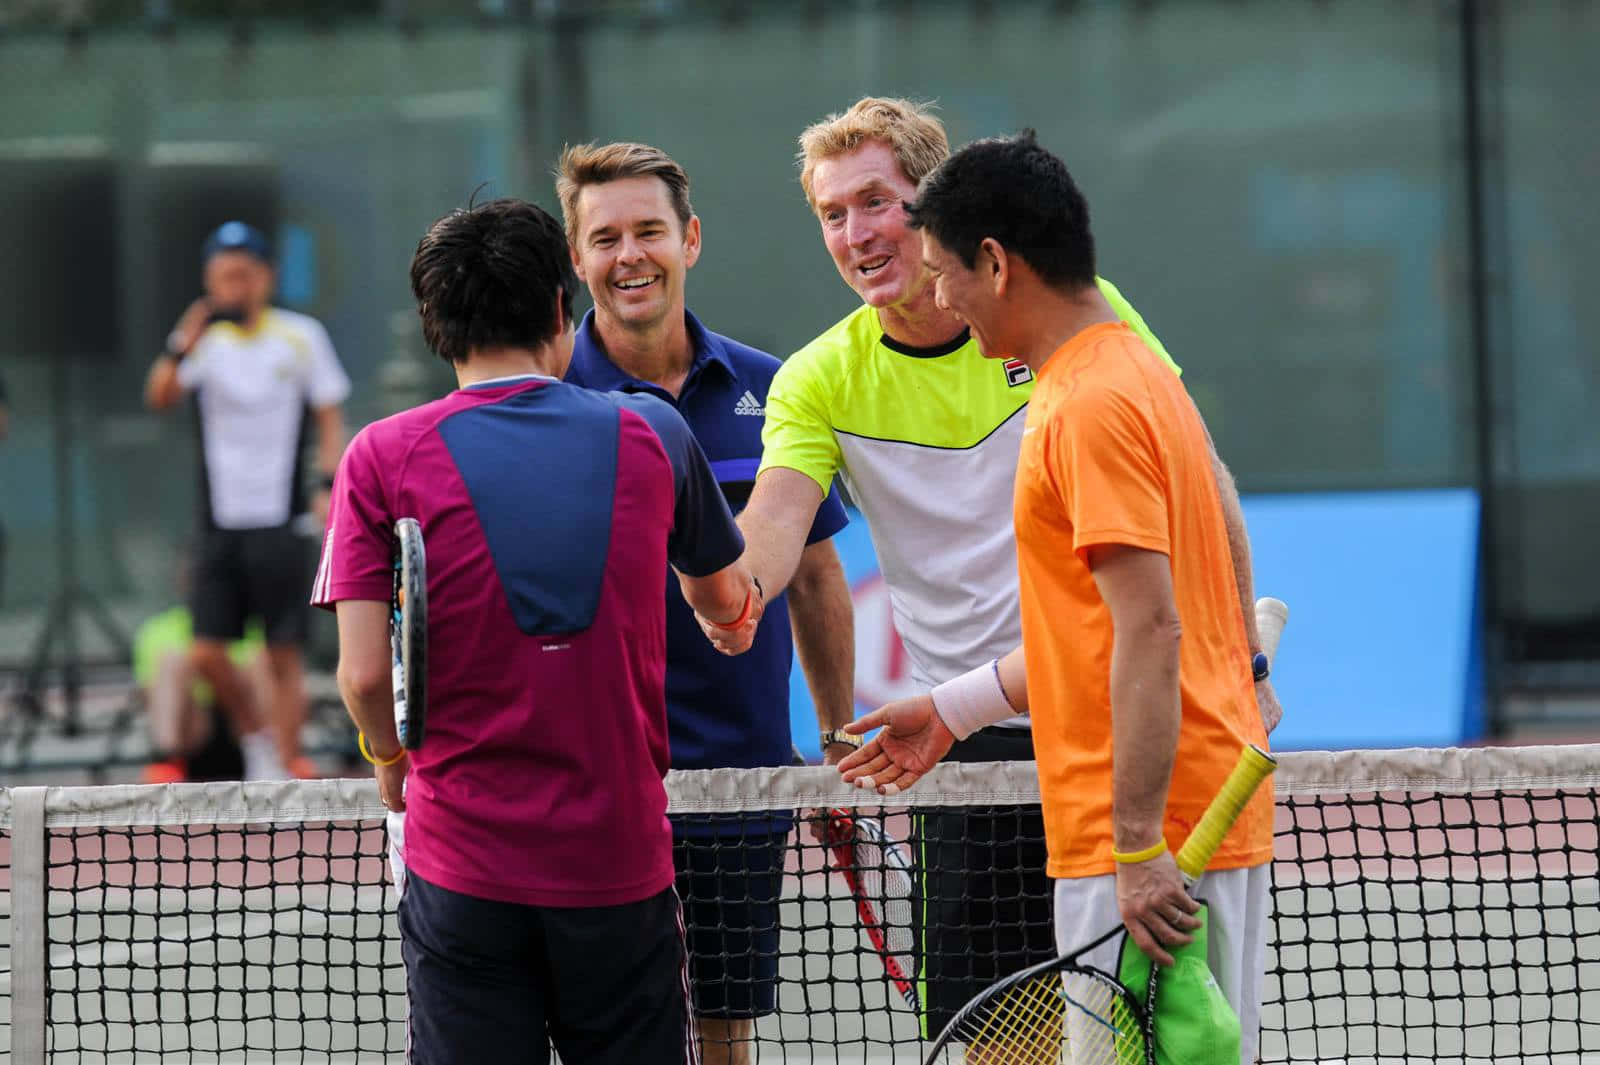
(984, 901)
(730, 887)
(497, 982)
(219, 757)
(245, 573)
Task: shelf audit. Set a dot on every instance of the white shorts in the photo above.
(1240, 905)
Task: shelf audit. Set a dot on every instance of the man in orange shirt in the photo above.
(1139, 675)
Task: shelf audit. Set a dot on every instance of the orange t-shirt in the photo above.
(1114, 452)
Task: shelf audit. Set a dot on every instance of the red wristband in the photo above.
(744, 615)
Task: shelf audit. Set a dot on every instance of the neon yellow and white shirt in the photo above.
(927, 442)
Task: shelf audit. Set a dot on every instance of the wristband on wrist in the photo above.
(1155, 850)
(744, 615)
(366, 752)
(973, 700)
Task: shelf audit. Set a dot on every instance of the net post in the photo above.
(28, 880)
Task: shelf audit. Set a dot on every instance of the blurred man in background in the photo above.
(256, 371)
(634, 238)
(192, 736)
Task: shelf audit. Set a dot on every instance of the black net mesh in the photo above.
(5, 945)
(1419, 915)
(203, 942)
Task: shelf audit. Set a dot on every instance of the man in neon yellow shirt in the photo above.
(897, 400)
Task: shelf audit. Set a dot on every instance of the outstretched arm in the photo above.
(1244, 578)
(823, 620)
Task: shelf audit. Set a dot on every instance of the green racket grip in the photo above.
(1254, 766)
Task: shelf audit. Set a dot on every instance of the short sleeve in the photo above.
(328, 385)
(1126, 311)
(831, 517)
(195, 367)
(798, 434)
(358, 545)
(704, 537)
(1107, 468)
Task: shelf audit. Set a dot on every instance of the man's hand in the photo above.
(817, 820)
(1156, 910)
(392, 783)
(735, 641)
(192, 323)
(1267, 703)
(913, 739)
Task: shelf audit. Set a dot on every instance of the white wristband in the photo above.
(973, 700)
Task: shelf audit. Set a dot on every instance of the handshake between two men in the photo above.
(734, 635)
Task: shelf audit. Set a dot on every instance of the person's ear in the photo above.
(994, 265)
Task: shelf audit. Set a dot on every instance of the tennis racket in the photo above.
(878, 872)
(408, 633)
(1024, 1018)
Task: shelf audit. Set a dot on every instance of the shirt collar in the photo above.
(593, 368)
(511, 379)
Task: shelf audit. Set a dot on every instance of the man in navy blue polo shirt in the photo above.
(634, 238)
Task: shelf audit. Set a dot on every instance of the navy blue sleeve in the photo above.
(704, 537)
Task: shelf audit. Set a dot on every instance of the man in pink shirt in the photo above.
(538, 905)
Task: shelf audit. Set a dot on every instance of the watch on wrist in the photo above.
(839, 735)
(1260, 667)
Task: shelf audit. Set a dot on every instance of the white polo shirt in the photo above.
(253, 390)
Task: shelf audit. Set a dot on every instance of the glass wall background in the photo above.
(1279, 187)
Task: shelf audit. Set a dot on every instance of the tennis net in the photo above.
(1431, 905)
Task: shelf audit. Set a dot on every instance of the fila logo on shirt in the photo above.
(1017, 372)
(748, 404)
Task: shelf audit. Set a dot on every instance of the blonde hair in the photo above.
(909, 129)
(592, 164)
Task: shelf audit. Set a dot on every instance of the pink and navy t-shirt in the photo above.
(549, 515)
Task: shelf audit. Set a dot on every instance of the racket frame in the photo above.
(408, 633)
(843, 830)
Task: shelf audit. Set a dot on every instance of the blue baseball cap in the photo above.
(237, 236)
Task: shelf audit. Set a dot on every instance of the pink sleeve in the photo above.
(356, 549)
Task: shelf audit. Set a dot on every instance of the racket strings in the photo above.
(1023, 1026)
(884, 874)
(1054, 1018)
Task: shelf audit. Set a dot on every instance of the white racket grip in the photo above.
(1271, 616)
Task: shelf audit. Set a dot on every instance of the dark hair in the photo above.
(490, 275)
(1016, 192)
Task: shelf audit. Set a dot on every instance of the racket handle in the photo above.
(1271, 616)
(1254, 766)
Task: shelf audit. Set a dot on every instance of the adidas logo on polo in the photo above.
(749, 404)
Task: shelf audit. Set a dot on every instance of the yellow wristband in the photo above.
(1155, 850)
(366, 752)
